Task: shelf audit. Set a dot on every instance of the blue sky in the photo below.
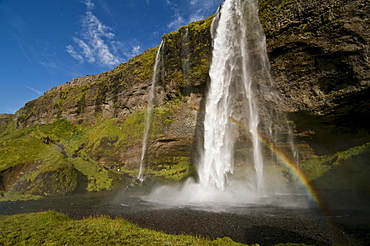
(45, 43)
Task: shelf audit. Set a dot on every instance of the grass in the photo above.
(316, 167)
(173, 173)
(51, 228)
(344, 170)
(16, 151)
(33, 143)
(17, 196)
(98, 178)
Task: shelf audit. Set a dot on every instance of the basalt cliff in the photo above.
(85, 135)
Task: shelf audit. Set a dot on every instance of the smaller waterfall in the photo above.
(185, 53)
(149, 114)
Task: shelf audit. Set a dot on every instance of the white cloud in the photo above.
(194, 10)
(89, 5)
(34, 90)
(201, 9)
(197, 16)
(94, 43)
(136, 50)
(177, 22)
(74, 54)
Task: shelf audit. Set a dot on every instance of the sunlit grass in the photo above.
(51, 228)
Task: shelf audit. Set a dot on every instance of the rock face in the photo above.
(5, 119)
(319, 53)
(320, 62)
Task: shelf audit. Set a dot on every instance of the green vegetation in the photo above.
(14, 152)
(343, 170)
(271, 8)
(33, 144)
(187, 54)
(98, 178)
(39, 161)
(178, 169)
(51, 228)
(17, 196)
(60, 158)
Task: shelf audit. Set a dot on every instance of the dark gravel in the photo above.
(263, 225)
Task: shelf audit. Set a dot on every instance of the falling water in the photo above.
(240, 105)
(149, 114)
(233, 79)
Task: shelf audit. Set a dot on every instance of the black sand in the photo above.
(265, 226)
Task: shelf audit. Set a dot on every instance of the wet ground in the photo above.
(264, 224)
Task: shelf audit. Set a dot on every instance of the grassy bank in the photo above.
(51, 228)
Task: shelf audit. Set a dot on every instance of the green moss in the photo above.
(58, 149)
(60, 129)
(187, 52)
(161, 119)
(18, 196)
(345, 169)
(56, 176)
(174, 172)
(33, 144)
(23, 150)
(98, 178)
(115, 133)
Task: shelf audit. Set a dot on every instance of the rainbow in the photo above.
(295, 170)
(313, 194)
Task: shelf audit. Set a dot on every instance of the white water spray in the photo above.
(149, 114)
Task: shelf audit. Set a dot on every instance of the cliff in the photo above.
(319, 55)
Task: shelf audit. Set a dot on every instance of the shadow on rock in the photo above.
(269, 236)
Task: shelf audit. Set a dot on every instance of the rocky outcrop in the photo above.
(5, 119)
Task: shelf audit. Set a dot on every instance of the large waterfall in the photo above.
(232, 76)
(240, 116)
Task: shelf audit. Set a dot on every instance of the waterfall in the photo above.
(233, 78)
(149, 114)
(241, 114)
